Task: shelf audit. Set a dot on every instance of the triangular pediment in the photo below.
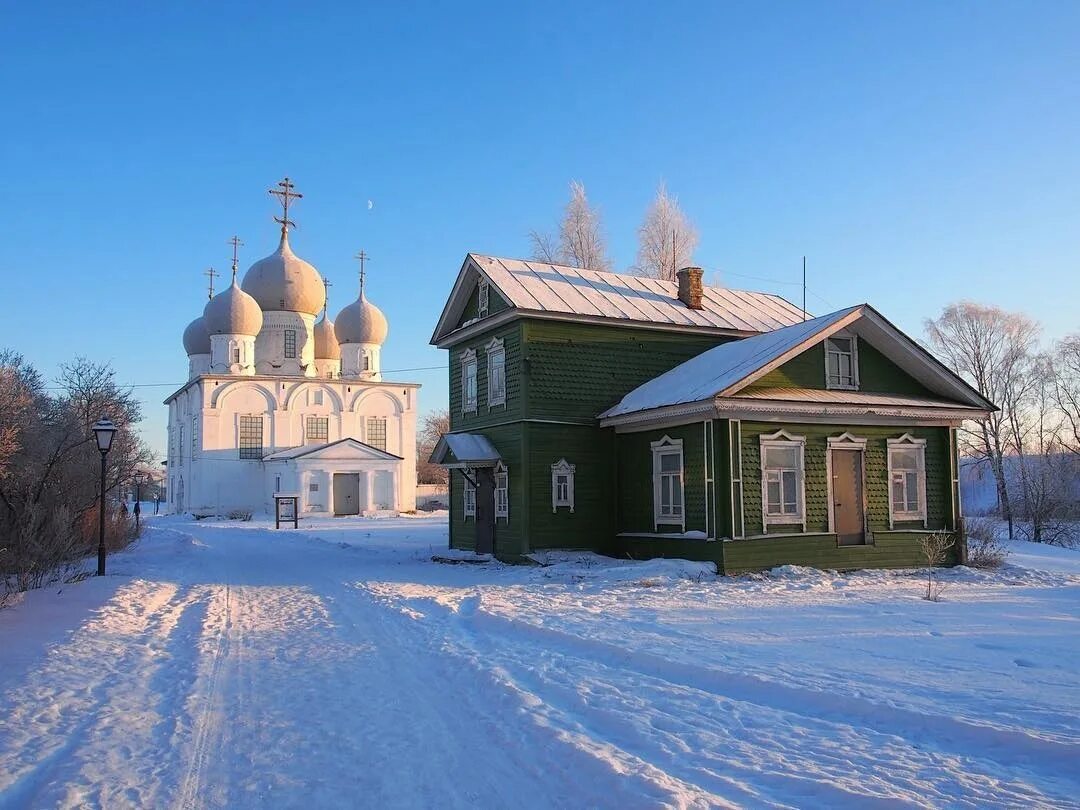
(347, 449)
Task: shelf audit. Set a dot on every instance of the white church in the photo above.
(277, 402)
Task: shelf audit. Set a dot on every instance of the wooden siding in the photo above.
(877, 373)
(510, 534)
(510, 334)
(890, 550)
(635, 487)
(576, 371)
(938, 478)
(592, 451)
(496, 304)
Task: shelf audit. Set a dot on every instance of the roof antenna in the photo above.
(804, 288)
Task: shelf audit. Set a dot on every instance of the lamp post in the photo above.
(138, 499)
(104, 430)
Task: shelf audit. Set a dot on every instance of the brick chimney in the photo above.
(690, 286)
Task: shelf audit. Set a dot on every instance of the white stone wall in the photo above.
(217, 480)
(270, 345)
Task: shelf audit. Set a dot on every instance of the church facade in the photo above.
(279, 402)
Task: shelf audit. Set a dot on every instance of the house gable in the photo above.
(877, 373)
(470, 313)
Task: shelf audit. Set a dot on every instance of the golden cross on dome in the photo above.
(236, 245)
(211, 274)
(363, 257)
(285, 193)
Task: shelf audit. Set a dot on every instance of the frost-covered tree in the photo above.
(1067, 390)
(992, 350)
(666, 238)
(580, 240)
(432, 427)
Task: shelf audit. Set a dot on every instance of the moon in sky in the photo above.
(370, 205)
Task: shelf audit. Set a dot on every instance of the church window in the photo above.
(251, 437)
(290, 343)
(318, 428)
(376, 432)
(194, 435)
(367, 362)
(318, 397)
(236, 354)
(562, 485)
(313, 486)
(277, 483)
(469, 497)
(482, 296)
(496, 357)
(502, 493)
(180, 444)
(468, 382)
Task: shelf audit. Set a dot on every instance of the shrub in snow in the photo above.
(935, 548)
(984, 548)
(240, 514)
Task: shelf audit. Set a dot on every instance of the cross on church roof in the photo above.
(211, 274)
(363, 257)
(236, 244)
(285, 193)
(327, 284)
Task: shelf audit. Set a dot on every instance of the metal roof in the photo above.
(558, 290)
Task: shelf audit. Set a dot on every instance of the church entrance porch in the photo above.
(346, 493)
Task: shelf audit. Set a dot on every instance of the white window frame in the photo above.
(854, 385)
(495, 349)
(502, 485)
(908, 442)
(664, 447)
(562, 468)
(468, 363)
(483, 298)
(782, 440)
(468, 497)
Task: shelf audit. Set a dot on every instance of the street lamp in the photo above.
(104, 430)
(138, 499)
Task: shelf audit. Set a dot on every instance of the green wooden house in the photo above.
(645, 418)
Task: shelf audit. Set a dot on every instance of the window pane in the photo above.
(781, 458)
(790, 498)
(676, 489)
(845, 366)
(912, 492)
(841, 344)
(905, 459)
(898, 492)
(833, 365)
(671, 462)
(772, 495)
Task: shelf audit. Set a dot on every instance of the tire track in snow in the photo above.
(485, 636)
(203, 701)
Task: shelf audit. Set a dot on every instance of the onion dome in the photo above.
(361, 322)
(233, 312)
(285, 282)
(196, 338)
(326, 342)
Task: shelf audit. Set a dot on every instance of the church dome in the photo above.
(233, 312)
(285, 282)
(326, 342)
(196, 338)
(361, 322)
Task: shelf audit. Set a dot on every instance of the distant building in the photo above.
(647, 418)
(279, 402)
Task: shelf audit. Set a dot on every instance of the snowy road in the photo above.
(232, 666)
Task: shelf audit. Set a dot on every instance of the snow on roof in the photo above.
(468, 448)
(543, 287)
(721, 367)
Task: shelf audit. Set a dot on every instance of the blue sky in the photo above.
(917, 153)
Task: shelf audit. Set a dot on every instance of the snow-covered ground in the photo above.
(231, 665)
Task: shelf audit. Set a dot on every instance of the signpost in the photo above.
(286, 508)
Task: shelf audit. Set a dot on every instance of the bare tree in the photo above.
(666, 238)
(580, 241)
(20, 386)
(991, 349)
(935, 547)
(1067, 390)
(433, 426)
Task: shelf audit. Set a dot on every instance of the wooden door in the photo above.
(849, 521)
(485, 510)
(346, 493)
